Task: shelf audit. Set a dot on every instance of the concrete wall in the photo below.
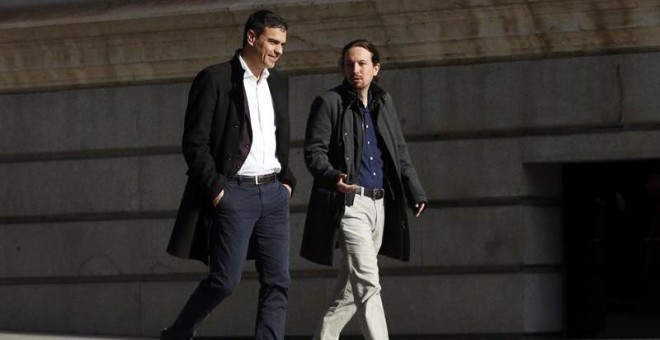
(83, 234)
(90, 180)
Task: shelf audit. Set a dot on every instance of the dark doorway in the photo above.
(612, 248)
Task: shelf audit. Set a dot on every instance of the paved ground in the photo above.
(24, 336)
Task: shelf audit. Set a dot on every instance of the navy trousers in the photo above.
(247, 214)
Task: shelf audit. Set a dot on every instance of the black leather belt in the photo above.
(255, 180)
(374, 194)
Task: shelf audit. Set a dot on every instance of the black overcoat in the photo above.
(333, 145)
(216, 140)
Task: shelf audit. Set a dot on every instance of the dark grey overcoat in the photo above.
(333, 145)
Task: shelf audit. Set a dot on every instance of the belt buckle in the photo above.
(262, 179)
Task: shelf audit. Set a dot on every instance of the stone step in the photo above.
(39, 336)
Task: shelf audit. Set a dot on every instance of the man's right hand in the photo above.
(345, 188)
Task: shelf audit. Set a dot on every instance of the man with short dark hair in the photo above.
(236, 201)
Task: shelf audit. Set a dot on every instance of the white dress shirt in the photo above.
(261, 160)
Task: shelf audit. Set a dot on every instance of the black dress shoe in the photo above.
(170, 334)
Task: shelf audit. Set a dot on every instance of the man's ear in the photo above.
(251, 36)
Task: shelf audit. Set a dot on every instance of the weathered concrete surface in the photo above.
(92, 119)
(80, 188)
(458, 304)
(498, 237)
(101, 44)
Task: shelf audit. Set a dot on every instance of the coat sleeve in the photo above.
(196, 142)
(414, 191)
(318, 136)
(281, 101)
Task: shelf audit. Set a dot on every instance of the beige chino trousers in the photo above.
(357, 287)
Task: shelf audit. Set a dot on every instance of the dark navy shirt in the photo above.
(371, 166)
